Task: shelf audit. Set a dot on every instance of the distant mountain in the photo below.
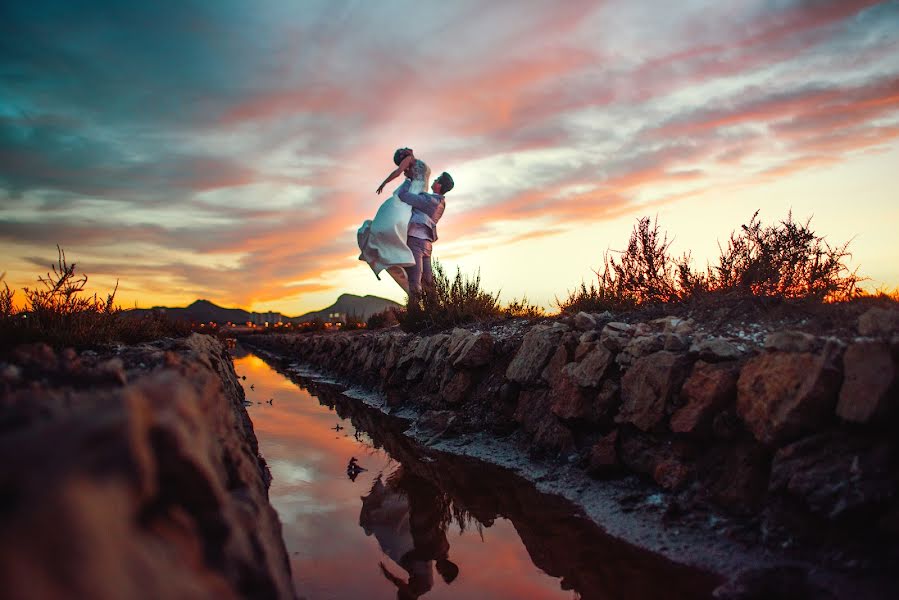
(350, 304)
(204, 311)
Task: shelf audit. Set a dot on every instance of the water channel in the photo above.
(415, 523)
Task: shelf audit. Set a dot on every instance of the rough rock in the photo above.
(570, 401)
(537, 347)
(428, 346)
(835, 474)
(675, 342)
(589, 336)
(708, 390)
(715, 349)
(648, 387)
(436, 422)
(736, 475)
(615, 336)
(665, 460)
(590, 370)
(870, 382)
(782, 394)
(672, 473)
(536, 419)
(604, 460)
(642, 345)
(456, 387)
(879, 322)
(561, 357)
(584, 321)
(476, 351)
(672, 324)
(790, 341)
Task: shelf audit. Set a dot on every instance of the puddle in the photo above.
(413, 523)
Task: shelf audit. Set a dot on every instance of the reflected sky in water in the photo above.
(320, 509)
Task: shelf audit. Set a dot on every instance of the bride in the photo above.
(382, 240)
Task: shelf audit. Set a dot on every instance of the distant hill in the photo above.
(204, 311)
(201, 311)
(350, 304)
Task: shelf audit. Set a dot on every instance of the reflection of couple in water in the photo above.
(409, 516)
(400, 238)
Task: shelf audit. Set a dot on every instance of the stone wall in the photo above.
(133, 474)
(797, 428)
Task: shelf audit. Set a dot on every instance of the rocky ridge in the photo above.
(792, 431)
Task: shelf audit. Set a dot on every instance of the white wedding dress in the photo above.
(382, 240)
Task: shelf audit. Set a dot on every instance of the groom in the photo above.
(426, 211)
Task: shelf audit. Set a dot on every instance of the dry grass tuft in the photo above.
(60, 313)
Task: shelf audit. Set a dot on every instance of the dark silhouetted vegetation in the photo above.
(381, 320)
(448, 303)
(522, 309)
(59, 312)
(452, 302)
(785, 260)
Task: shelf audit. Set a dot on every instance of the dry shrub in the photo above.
(784, 260)
(6, 300)
(522, 309)
(382, 320)
(449, 303)
(60, 313)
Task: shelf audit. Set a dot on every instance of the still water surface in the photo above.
(419, 524)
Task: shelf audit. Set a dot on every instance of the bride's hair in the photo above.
(400, 154)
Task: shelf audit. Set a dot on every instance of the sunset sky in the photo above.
(229, 150)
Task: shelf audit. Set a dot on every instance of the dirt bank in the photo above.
(133, 474)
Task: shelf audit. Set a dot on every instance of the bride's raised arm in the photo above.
(403, 165)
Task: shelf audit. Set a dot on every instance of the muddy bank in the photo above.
(133, 474)
(782, 442)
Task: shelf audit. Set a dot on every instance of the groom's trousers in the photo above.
(420, 272)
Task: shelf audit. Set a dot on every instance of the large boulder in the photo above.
(707, 391)
(836, 474)
(648, 387)
(537, 347)
(870, 382)
(780, 395)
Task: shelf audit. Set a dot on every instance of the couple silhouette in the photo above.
(409, 517)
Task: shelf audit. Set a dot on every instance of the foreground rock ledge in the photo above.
(133, 474)
(794, 433)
